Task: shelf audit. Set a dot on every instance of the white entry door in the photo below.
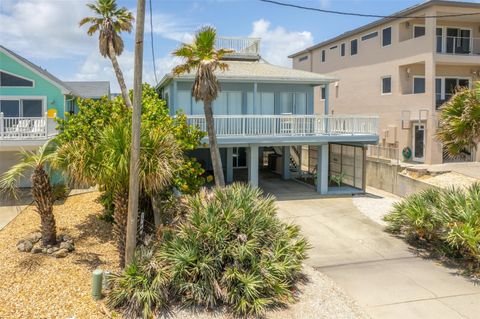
(418, 142)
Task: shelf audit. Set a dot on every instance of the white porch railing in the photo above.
(23, 128)
(288, 125)
(241, 46)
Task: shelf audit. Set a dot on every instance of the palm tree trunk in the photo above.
(212, 141)
(119, 74)
(42, 194)
(120, 213)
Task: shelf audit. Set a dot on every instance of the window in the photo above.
(17, 107)
(264, 103)
(353, 47)
(445, 88)
(418, 84)
(293, 103)
(323, 55)
(184, 101)
(386, 36)
(10, 80)
(303, 58)
(418, 31)
(342, 49)
(439, 34)
(228, 103)
(369, 36)
(386, 85)
(323, 92)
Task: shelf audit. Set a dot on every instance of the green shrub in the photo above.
(141, 289)
(59, 191)
(448, 219)
(231, 249)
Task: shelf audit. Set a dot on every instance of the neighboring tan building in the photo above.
(402, 69)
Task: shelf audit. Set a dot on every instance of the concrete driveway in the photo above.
(11, 207)
(376, 269)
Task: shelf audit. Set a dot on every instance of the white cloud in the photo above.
(97, 68)
(325, 3)
(170, 27)
(44, 28)
(277, 43)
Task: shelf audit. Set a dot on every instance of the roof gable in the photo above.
(36, 69)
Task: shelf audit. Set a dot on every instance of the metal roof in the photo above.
(376, 23)
(89, 89)
(258, 71)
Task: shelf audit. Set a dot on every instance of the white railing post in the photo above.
(2, 125)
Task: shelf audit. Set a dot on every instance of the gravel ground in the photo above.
(320, 298)
(37, 286)
(375, 204)
(449, 179)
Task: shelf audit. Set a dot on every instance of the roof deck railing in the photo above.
(242, 46)
(14, 128)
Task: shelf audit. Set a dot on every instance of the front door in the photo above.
(418, 142)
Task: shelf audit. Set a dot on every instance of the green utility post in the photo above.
(97, 284)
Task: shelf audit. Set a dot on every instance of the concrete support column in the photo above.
(286, 162)
(322, 169)
(252, 156)
(229, 165)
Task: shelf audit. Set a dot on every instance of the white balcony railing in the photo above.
(458, 45)
(288, 125)
(23, 128)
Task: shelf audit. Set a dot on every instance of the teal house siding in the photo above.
(55, 98)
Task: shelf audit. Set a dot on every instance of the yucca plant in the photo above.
(232, 249)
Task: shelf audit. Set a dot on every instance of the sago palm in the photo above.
(459, 125)
(110, 21)
(202, 57)
(38, 163)
(107, 163)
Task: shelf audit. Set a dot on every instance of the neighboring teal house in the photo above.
(30, 99)
(265, 123)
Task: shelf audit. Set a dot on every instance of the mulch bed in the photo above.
(40, 286)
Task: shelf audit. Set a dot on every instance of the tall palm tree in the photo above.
(107, 163)
(38, 161)
(202, 57)
(459, 124)
(110, 21)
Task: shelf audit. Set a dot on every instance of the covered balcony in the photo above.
(267, 129)
(18, 131)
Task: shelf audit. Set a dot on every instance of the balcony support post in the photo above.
(253, 165)
(2, 129)
(286, 162)
(322, 169)
(229, 165)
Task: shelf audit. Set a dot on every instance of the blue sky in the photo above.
(47, 32)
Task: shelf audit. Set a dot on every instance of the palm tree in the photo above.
(107, 163)
(110, 21)
(202, 57)
(459, 123)
(38, 161)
